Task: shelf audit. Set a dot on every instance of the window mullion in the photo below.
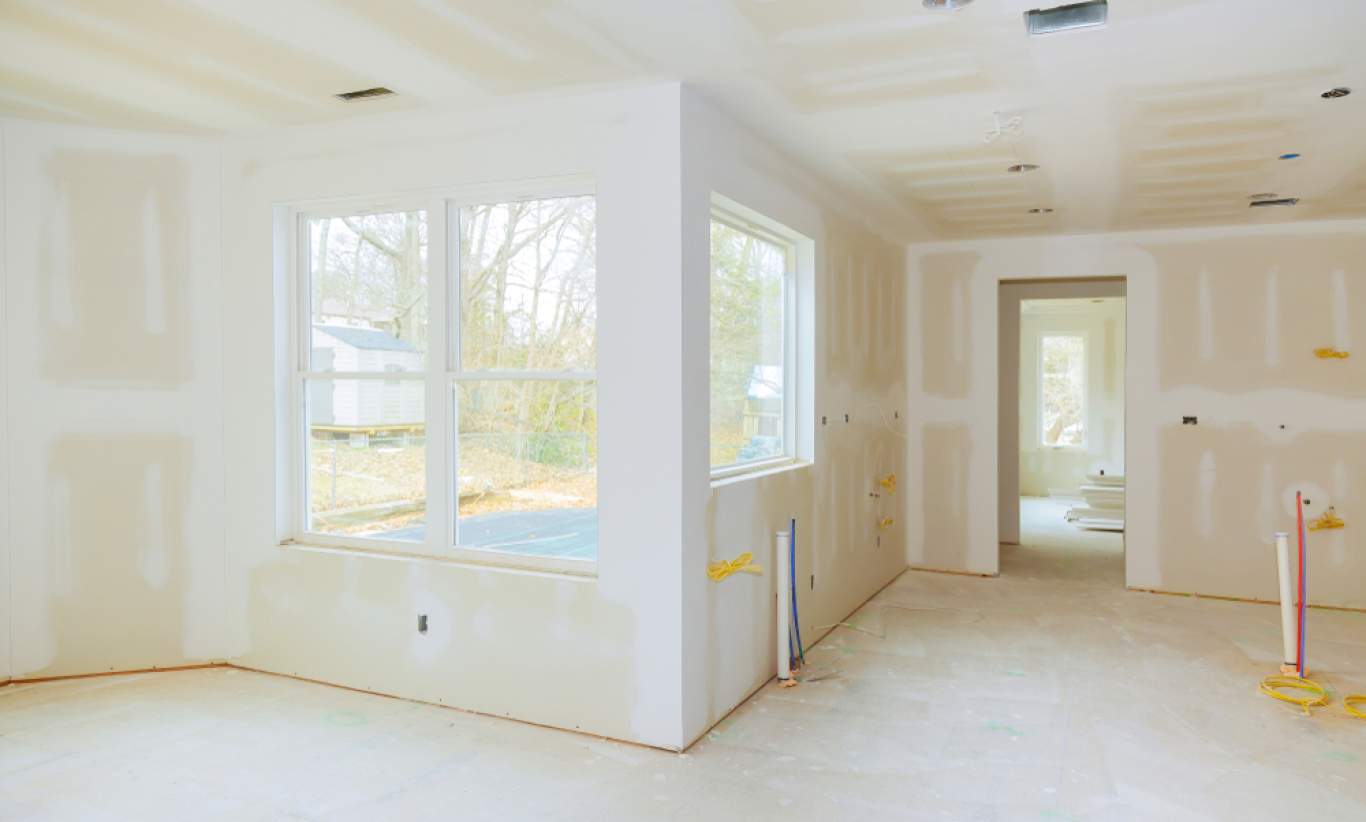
(439, 471)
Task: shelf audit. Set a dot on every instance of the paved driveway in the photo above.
(569, 533)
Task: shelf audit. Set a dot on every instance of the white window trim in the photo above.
(442, 374)
(730, 213)
(1085, 390)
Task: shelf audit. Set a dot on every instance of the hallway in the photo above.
(1052, 549)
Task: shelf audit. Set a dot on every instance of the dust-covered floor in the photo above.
(1033, 696)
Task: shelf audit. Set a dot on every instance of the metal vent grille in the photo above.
(1065, 18)
(365, 94)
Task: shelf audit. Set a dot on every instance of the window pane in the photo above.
(369, 283)
(1063, 388)
(527, 279)
(747, 350)
(527, 477)
(367, 466)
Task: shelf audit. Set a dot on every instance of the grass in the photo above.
(390, 478)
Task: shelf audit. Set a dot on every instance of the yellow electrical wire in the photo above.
(1273, 686)
(889, 482)
(1331, 354)
(744, 563)
(885, 522)
(1350, 703)
(1328, 520)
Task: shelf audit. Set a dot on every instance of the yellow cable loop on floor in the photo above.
(1351, 702)
(1273, 686)
(744, 563)
(1331, 354)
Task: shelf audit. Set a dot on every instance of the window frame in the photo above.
(762, 228)
(441, 375)
(1085, 390)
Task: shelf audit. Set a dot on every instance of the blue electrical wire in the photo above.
(792, 566)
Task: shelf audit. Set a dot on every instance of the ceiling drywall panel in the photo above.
(1172, 115)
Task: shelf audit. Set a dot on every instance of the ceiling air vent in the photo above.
(1065, 18)
(1282, 201)
(364, 94)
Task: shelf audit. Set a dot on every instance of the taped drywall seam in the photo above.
(4, 414)
(1206, 306)
(1342, 329)
(1273, 325)
(226, 632)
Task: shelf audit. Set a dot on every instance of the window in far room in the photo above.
(1062, 390)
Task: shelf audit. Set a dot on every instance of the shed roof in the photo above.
(368, 339)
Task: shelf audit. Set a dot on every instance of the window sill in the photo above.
(573, 570)
(759, 471)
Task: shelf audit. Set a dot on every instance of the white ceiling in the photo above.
(1171, 116)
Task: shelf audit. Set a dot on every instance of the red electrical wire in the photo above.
(1299, 605)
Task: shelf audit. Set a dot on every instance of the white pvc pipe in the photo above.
(1288, 634)
(782, 573)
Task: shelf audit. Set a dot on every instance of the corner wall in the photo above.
(112, 345)
(1222, 326)
(853, 304)
(599, 655)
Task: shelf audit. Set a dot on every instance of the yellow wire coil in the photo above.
(1351, 702)
(743, 564)
(1331, 354)
(1274, 687)
(885, 522)
(1327, 521)
(889, 482)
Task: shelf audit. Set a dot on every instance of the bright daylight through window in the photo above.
(750, 371)
(1062, 389)
(512, 363)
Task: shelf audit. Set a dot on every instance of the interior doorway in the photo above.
(1062, 412)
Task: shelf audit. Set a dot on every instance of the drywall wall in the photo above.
(1222, 325)
(602, 655)
(851, 344)
(1013, 433)
(5, 541)
(1044, 468)
(112, 346)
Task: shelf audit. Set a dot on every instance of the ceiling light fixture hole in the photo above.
(1335, 93)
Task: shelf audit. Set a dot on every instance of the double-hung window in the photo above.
(446, 381)
(753, 348)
